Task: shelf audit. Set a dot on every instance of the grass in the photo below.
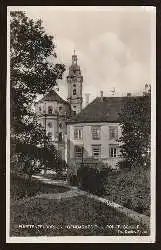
(70, 217)
(21, 187)
(130, 188)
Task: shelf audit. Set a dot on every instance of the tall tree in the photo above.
(135, 119)
(31, 73)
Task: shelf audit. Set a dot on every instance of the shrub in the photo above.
(92, 179)
(73, 180)
(124, 164)
(130, 188)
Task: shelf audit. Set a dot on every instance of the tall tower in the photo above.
(74, 81)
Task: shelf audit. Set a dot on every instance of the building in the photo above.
(52, 112)
(82, 135)
(94, 133)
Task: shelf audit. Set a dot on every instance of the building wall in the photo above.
(58, 116)
(87, 142)
(55, 106)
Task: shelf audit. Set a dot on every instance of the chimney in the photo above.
(101, 95)
(128, 94)
(87, 99)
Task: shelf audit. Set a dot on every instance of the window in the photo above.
(50, 125)
(39, 109)
(78, 133)
(74, 113)
(60, 125)
(96, 151)
(96, 132)
(74, 107)
(113, 151)
(60, 108)
(74, 85)
(113, 132)
(50, 110)
(74, 91)
(50, 136)
(78, 152)
(60, 136)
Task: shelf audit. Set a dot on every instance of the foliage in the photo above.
(135, 120)
(92, 179)
(130, 188)
(31, 158)
(31, 73)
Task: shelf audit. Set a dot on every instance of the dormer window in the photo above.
(74, 91)
(50, 110)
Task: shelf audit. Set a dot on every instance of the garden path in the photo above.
(74, 191)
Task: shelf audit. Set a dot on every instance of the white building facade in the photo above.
(98, 141)
(94, 134)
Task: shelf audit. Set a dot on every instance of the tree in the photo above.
(135, 119)
(31, 73)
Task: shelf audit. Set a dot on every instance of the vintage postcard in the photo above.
(81, 124)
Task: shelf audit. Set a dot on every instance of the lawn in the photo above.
(75, 216)
(21, 187)
(130, 188)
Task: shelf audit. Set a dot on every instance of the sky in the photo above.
(114, 45)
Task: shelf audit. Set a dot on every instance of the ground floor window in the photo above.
(50, 136)
(96, 151)
(78, 152)
(113, 151)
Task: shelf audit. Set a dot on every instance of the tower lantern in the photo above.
(74, 59)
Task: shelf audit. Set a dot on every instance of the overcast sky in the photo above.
(114, 46)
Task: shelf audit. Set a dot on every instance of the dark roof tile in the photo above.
(104, 109)
(53, 96)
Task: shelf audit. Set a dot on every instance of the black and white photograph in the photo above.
(81, 124)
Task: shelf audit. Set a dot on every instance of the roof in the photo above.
(105, 109)
(53, 96)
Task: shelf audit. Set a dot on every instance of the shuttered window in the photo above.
(113, 132)
(78, 133)
(96, 132)
(96, 151)
(78, 152)
(113, 151)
